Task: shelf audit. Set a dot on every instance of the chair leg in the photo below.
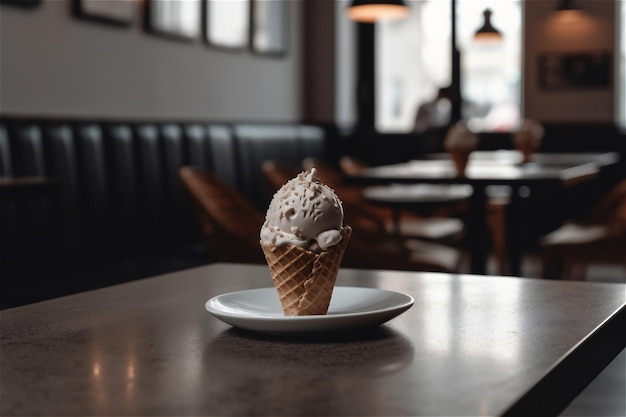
(579, 272)
(552, 264)
(497, 219)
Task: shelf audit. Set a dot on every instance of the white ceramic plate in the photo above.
(351, 307)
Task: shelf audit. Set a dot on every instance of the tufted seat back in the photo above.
(289, 144)
(119, 180)
(121, 162)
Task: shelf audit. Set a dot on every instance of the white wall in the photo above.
(52, 64)
(545, 33)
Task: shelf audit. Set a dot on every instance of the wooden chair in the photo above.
(230, 224)
(351, 165)
(277, 173)
(599, 237)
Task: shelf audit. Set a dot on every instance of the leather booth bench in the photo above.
(118, 180)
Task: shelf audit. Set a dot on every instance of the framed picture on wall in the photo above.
(269, 27)
(560, 71)
(227, 23)
(116, 12)
(175, 19)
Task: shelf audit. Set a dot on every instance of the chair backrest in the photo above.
(334, 179)
(351, 165)
(327, 174)
(230, 223)
(361, 215)
(612, 207)
(277, 173)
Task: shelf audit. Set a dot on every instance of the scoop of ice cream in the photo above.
(304, 212)
(460, 138)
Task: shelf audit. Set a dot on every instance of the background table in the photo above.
(419, 198)
(471, 345)
(499, 168)
(555, 159)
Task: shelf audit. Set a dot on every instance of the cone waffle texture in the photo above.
(305, 280)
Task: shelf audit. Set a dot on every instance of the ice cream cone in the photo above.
(305, 280)
(460, 158)
(528, 139)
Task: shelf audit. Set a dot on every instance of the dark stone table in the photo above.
(471, 345)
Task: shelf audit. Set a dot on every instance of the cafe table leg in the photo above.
(515, 230)
(396, 215)
(478, 231)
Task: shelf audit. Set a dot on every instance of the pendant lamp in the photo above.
(487, 32)
(370, 11)
(568, 11)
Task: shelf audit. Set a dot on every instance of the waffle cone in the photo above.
(305, 280)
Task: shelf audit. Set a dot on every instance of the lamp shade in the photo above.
(566, 5)
(568, 11)
(369, 11)
(487, 31)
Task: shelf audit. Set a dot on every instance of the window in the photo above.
(413, 61)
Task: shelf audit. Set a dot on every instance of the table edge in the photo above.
(571, 374)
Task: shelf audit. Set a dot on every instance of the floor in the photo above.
(605, 396)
